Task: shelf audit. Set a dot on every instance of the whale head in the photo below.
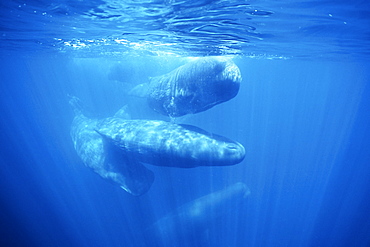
(213, 150)
(227, 152)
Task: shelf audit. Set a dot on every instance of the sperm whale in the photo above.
(104, 159)
(163, 143)
(194, 87)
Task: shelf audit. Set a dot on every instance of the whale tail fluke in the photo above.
(76, 104)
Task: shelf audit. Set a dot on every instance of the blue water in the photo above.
(302, 114)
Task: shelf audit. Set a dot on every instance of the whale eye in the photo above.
(232, 146)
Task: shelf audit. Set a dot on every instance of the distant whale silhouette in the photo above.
(162, 143)
(186, 225)
(105, 159)
(193, 87)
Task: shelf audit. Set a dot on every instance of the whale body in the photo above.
(193, 87)
(185, 225)
(105, 159)
(117, 148)
(168, 144)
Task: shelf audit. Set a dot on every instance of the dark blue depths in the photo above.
(305, 126)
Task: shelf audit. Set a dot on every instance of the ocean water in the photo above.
(302, 113)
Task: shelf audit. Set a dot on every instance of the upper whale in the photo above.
(193, 87)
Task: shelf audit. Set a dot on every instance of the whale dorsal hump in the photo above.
(140, 90)
(123, 113)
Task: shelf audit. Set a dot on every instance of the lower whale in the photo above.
(187, 224)
(163, 143)
(105, 159)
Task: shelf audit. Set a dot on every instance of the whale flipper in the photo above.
(134, 177)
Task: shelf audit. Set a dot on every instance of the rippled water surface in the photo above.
(273, 29)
